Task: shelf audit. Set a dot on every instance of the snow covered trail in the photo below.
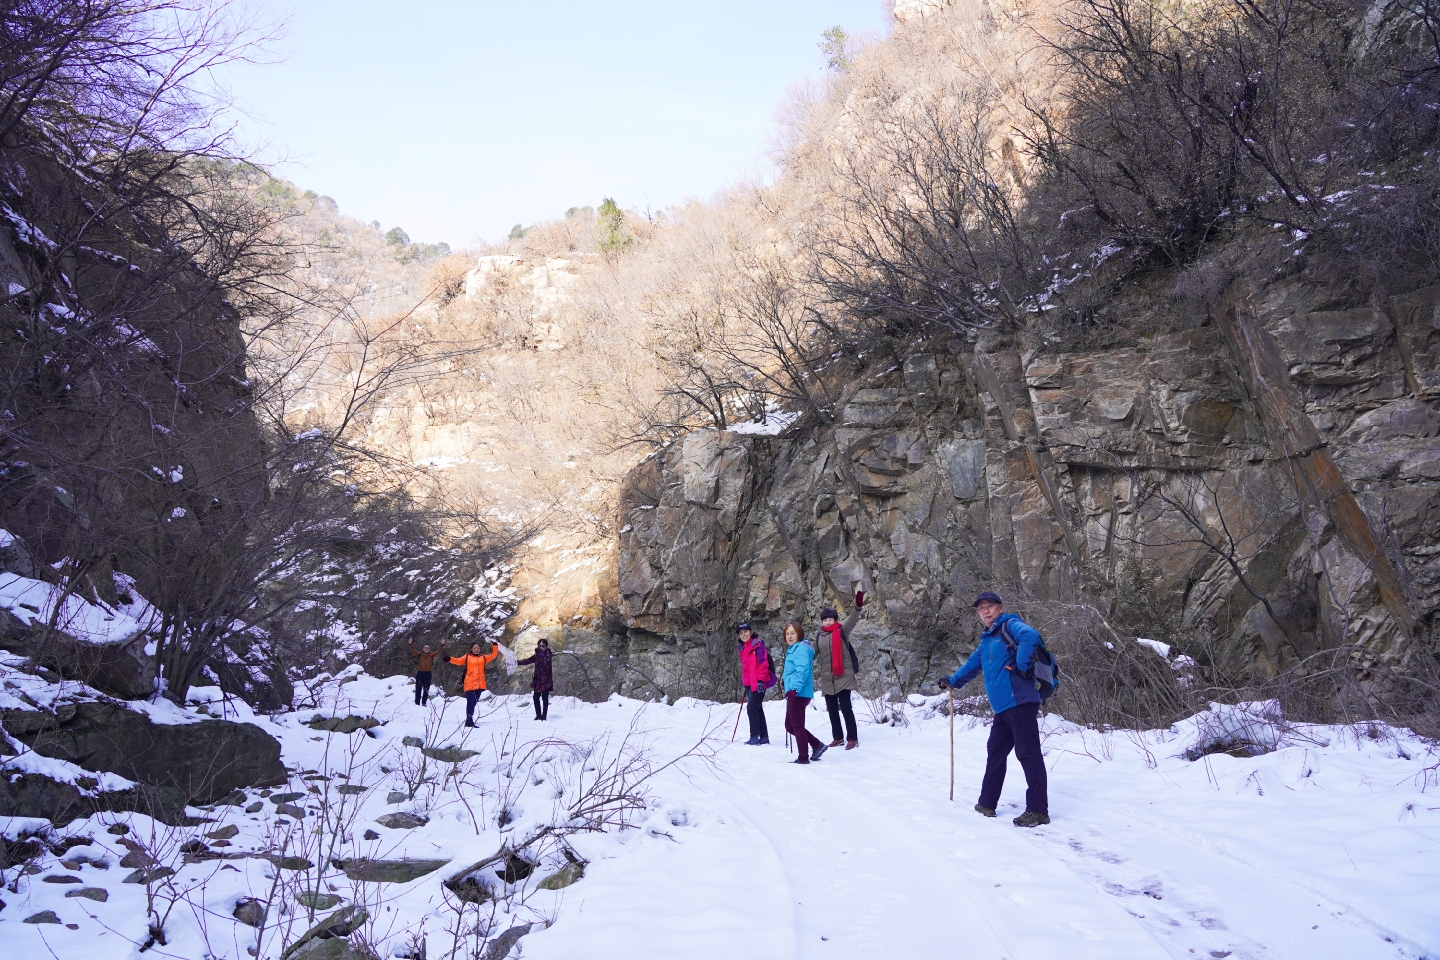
(1326, 848)
(874, 870)
(862, 855)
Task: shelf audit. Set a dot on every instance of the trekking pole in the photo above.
(951, 691)
(737, 718)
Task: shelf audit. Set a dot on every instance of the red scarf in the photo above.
(837, 650)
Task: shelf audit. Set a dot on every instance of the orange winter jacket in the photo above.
(474, 667)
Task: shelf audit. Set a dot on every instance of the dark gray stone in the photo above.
(342, 724)
(364, 870)
(250, 911)
(35, 795)
(205, 761)
(98, 894)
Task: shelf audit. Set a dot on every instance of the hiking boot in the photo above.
(753, 741)
(986, 811)
(798, 760)
(851, 744)
(469, 722)
(819, 752)
(763, 741)
(835, 743)
(1031, 818)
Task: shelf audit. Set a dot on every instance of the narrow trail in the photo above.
(869, 862)
(862, 855)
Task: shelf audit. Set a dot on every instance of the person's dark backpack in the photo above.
(1045, 672)
(769, 667)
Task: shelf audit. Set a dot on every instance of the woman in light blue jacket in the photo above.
(799, 691)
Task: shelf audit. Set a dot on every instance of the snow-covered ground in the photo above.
(1328, 847)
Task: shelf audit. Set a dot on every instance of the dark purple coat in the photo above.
(544, 679)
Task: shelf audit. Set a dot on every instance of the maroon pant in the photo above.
(795, 725)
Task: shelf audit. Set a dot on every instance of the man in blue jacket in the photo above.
(1013, 696)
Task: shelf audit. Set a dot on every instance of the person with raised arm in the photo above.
(544, 680)
(836, 667)
(424, 665)
(474, 663)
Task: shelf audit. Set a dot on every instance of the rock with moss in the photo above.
(366, 870)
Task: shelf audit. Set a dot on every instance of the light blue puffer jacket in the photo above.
(799, 669)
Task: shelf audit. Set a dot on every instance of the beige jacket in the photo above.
(825, 681)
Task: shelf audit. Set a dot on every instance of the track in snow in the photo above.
(861, 855)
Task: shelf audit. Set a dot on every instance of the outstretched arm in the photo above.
(967, 671)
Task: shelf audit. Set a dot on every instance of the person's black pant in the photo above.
(472, 697)
(422, 687)
(838, 705)
(1016, 729)
(755, 710)
(542, 704)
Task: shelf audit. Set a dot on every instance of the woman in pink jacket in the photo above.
(756, 675)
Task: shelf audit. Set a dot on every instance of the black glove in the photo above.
(943, 683)
(859, 599)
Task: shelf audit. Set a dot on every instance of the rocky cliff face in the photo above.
(1262, 487)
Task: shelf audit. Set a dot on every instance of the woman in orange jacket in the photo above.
(474, 664)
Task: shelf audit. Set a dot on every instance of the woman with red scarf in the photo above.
(835, 668)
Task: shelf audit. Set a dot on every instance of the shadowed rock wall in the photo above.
(1260, 488)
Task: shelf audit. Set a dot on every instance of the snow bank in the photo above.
(34, 602)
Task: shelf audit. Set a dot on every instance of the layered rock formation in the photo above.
(1262, 487)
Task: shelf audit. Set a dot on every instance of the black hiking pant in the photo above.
(838, 705)
(1016, 729)
(755, 710)
(472, 697)
(422, 687)
(542, 703)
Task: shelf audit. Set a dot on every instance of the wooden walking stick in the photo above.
(951, 691)
(737, 718)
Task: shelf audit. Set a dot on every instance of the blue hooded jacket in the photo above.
(799, 669)
(1005, 684)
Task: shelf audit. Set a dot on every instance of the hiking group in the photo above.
(1017, 671)
(474, 661)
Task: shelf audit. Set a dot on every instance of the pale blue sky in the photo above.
(457, 120)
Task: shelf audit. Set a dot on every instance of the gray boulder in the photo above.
(36, 795)
(203, 761)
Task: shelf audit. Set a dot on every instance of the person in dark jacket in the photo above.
(755, 676)
(1010, 687)
(835, 671)
(543, 681)
(424, 667)
(798, 676)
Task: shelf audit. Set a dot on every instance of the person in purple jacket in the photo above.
(544, 679)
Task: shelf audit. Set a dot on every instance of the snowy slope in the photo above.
(1328, 847)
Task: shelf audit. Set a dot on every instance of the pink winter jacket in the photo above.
(755, 671)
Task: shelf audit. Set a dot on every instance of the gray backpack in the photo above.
(1045, 672)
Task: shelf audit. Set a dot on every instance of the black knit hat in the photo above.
(990, 596)
(829, 614)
